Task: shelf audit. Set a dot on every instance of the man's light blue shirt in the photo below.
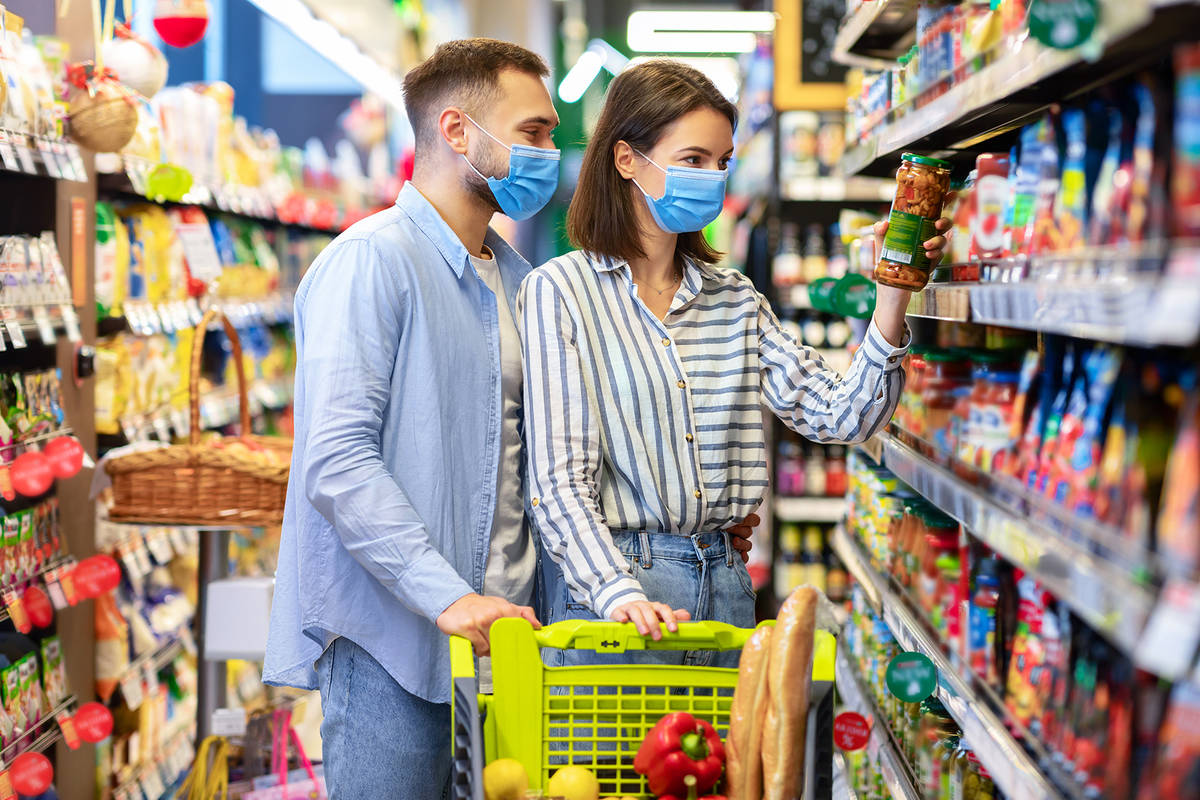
(397, 438)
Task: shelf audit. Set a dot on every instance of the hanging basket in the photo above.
(102, 113)
(223, 481)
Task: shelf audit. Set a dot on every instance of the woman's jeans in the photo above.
(700, 573)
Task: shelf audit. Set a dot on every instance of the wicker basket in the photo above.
(209, 483)
(104, 120)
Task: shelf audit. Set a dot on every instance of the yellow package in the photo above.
(114, 381)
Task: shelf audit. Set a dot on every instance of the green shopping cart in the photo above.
(596, 716)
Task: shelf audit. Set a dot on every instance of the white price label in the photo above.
(71, 323)
(49, 159)
(200, 251)
(131, 688)
(15, 333)
(229, 722)
(45, 327)
(77, 164)
(8, 153)
(25, 155)
(1172, 635)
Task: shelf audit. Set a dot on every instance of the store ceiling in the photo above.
(372, 24)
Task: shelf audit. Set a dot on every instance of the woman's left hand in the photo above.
(739, 535)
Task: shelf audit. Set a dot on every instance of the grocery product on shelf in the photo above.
(922, 184)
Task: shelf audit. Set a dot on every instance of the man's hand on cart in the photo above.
(740, 535)
(471, 616)
(646, 616)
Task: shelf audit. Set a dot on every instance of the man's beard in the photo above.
(487, 162)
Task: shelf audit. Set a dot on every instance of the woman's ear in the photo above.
(452, 125)
(624, 158)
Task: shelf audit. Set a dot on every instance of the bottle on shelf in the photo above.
(790, 469)
(836, 480)
(790, 568)
(787, 268)
(816, 264)
(981, 634)
(839, 260)
(815, 471)
(813, 558)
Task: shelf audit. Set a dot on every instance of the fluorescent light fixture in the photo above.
(328, 42)
(723, 71)
(599, 55)
(697, 31)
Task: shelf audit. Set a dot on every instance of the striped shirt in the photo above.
(635, 423)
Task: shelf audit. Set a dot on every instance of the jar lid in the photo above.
(925, 160)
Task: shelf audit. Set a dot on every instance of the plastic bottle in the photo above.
(813, 558)
(787, 268)
(981, 627)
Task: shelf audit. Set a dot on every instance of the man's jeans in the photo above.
(379, 741)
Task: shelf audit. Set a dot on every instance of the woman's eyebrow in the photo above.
(694, 149)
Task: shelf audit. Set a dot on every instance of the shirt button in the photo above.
(535, 501)
(666, 342)
(681, 383)
(698, 494)
(689, 437)
(892, 360)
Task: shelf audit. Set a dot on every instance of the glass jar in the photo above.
(922, 184)
(945, 371)
(941, 540)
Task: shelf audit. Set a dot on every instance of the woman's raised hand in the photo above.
(646, 616)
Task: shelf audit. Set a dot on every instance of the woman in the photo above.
(646, 369)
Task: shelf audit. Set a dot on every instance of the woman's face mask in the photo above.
(531, 180)
(692, 197)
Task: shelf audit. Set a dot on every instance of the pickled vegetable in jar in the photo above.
(921, 187)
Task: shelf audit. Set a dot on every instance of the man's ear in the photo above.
(452, 126)
(625, 159)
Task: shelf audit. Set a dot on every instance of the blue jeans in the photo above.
(700, 573)
(378, 740)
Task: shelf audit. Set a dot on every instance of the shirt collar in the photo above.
(430, 222)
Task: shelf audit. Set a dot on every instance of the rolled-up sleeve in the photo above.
(814, 400)
(563, 451)
(351, 321)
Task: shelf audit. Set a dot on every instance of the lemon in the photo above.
(505, 779)
(574, 783)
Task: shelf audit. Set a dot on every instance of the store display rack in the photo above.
(1145, 295)
(1105, 579)
(1013, 769)
(153, 778)
(1023, 78)
(875, 32)
(46, 732)
(238, 201)
(881, 745)
(24, 154)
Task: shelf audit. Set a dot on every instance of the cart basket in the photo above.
(597, 716)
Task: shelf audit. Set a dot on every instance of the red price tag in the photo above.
(66, 723)
(851, 731)
(16, 610)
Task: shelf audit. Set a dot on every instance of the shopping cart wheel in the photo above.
(466, 772)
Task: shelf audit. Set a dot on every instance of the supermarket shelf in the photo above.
(146, 319)
(156, 659)
(177, 756)
(879, 30)
(48, 567)
(1140, 297)
(810, 509)
(841, 780)
(40, 156)
(837, 190)
(1092, 569)
(896, 771)
(1011, 767)
(1021, 80)
(240, 202)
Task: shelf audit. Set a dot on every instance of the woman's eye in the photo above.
(692, 160)
(724, 163)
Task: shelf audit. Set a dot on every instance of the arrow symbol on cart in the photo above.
(610, 644)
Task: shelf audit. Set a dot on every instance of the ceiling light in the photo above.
(723, 71)
(599, 55)
(697, 31)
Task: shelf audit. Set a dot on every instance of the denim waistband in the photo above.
(697, 547)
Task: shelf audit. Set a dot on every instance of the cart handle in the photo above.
(617, 637)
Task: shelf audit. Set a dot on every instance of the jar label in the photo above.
(906, 234)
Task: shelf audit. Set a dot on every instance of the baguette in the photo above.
(789, 680)
(743, 764)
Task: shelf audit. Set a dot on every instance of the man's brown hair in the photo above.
(641, 103)
(465, 73)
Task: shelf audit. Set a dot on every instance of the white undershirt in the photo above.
(511, 555)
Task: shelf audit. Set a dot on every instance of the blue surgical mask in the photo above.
(691, 199)
(531, 181)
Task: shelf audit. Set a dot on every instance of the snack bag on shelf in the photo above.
(1066, 429)
(1185, 169)
(1054, 682)
(19, 101)
(1046, 440)
(1023, 187)
(1178, 530)
(1023, 695)
(31, 689)
(1041, 233)
(1178, 753)
(1107, 200)
(1078, 480)
(112, 645)
(112, 261)
(1072, 190)
(1145, 217)
(14, 707)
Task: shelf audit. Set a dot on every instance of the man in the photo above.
(405, 518)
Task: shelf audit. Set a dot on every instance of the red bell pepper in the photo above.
(677, 747)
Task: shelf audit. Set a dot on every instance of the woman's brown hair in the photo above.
(642, 101)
